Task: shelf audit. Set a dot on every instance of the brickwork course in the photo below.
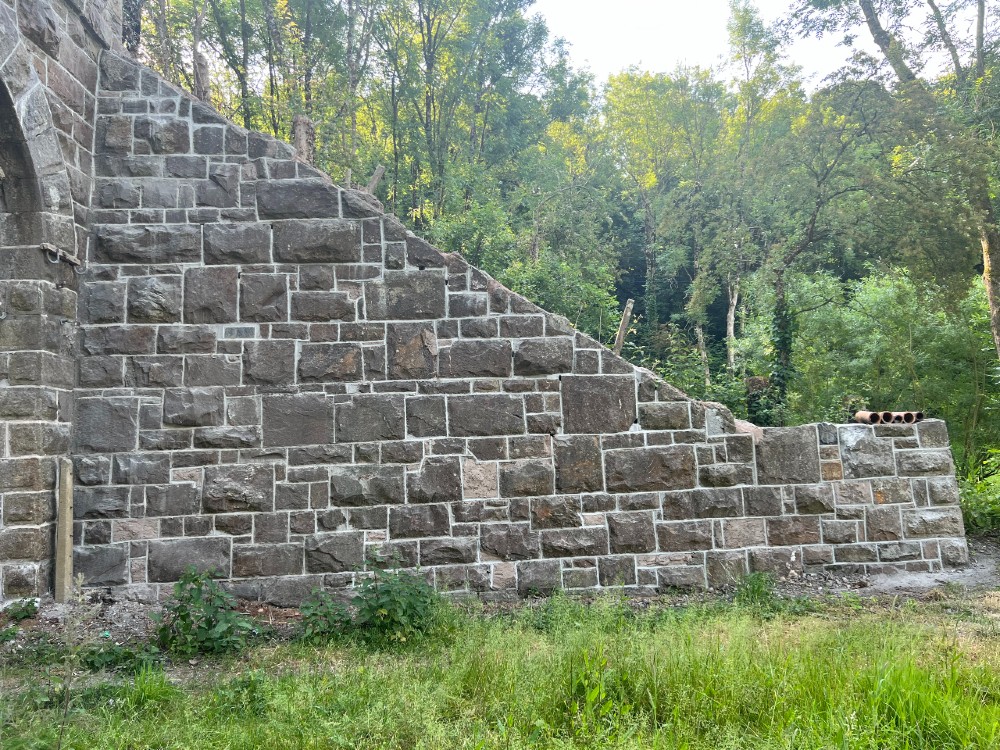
(259, 373)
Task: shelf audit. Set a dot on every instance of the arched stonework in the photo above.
(37, 318)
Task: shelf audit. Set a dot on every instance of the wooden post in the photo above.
(64, 532)
(375, 180)
(623, 328)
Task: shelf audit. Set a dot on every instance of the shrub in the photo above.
(981, 505)
(21, 610)
(201, 618)
(323, 617)
(756, 591)
(395, 606)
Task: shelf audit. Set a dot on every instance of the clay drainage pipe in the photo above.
(888, 417)
(868, 417)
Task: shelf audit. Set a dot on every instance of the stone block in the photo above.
(148, 244)
(210, 294)
(168, 559)
(650, 469)
(297, 199)
(323, 307)
(476, 358)
(683, 577)
(899, 551)
(931, 522)
(353, 486)
(371, 418)
(414, 521)
(777, 562)
(788, 455)
(32, 508)
(237, 243)
(665, 415)
(263, 297)
(411, 350)
(783, 532)
(485, 415)
(241, 487)
(503, 541)
(864, 455)
(479, 480)
(538, 577)
(743, 532)
(598, 404)
(106, 425)
(555, 512)
(269, 362)
(526, 479)
(579, 467)
(891, 491)
(933, 433)
(26, 474)
(173, 500)
(448, 551)
(335, 553)
(406, 296)
(684, 536)
(106, 565)
(883, 524)
(546, 356)
(194, 407)
(439, 480)
(924, 463)
(328, 241)
(725, 568)
(26, 543)
(943, 491)
(631, 532)
(330, 363)
(297, 419)
(267, 560)
(814, 498)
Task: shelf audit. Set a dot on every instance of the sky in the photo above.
(656, 35)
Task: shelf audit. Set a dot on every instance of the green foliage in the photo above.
(23, 609)
(980, 495)
(395, 606)
(755, 590)
(112, 656)
(201, 618)
(323, 617)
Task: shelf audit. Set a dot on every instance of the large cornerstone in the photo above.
(261, 374)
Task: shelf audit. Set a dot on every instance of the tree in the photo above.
(951, 111)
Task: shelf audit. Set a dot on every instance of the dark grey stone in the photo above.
(526, 479)
(297, 419)
(439, 480)
(503, 541)
(412, 521)
(598, 404)
(100, 502)
(242, 487)
(154, 299)
(575, 542)
(106, 425)
(210, 295)
(448, 551)
(578, 464)
(650, 469)
(371, 418)
(631, 532)
(297, 199)
(476, 359)
(269, 362)
(106, 565)
(354, 486)
(788, 455)
(168, 559)
(406, 296)
(412, 350)
(263, 297)
(240, 242)
(330, 363)
(485, 415)
(335, 553)
(425, 416)
(329, 241)
(194, 407)
(549, 356)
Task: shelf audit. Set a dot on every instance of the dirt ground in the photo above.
(125, 621)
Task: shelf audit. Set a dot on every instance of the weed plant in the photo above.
(201, 618)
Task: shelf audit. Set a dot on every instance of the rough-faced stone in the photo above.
(526, 478)
(263, 297)
(330, 363)
(452, 551)
(267, 560)
(578, 464)
(413, 521)
(668, 415)
(371, 418)
(327, 241)
(538, 577)
(864, 455)
(598, 404)
(297, 199)
(924, 463)
(406, 296)
(239, 242)
(473, 358)
(485, 415)
(194, 407)
(575, 542)
(684, 536)
(168, 559)
(354, 486)
(269, 362)
(168, 243)
(555, 512)
(322, 307)
(792, 531)
(931, 522)
(210, 295)
(105, 565)
(438, 480)
(548, 356)
(505, 541)
(426, 416)
(631, 532)
(297, 419)
(242, 487)
(788, 455)
(154, 299)
(412, 350)
(106, 425)
(650, 469)
(335, 553)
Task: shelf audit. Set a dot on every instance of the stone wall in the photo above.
(277, 381)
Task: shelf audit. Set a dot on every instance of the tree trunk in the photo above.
(699, 333)
(989, 238)
(781, 339)
(733, 289)
(649, 251)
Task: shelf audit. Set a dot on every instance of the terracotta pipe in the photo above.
(868, 417)
(886, 417)
(897, 417)
(919, 416)
(908, 417)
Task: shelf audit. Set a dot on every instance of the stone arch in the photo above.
(35, 190)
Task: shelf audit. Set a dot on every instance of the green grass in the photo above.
(565, 675)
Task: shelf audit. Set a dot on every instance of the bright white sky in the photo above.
(656, 35)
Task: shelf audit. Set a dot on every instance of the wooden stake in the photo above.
(376, 179)
(64, 532)
(623, 328)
